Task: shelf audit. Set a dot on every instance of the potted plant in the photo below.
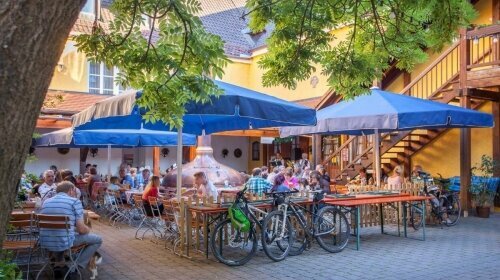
(482, 196)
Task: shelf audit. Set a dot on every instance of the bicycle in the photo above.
(234, 248)
(445, 206)
(328, 225)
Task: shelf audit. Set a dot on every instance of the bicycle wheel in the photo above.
(299, 240)
(416, 217)
(453, 209)
(332, 229)
(276, 236)
(232, 247)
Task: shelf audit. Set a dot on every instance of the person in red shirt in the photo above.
(152, 190)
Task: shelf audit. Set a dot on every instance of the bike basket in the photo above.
(238, 219)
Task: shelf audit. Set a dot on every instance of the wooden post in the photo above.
(496, 135)
(156, 161)
(316, 150)
(465, 134)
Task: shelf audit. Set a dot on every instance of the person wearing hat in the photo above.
(396, 179)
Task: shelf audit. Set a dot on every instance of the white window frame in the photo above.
(116, 86)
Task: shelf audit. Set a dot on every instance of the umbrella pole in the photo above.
(179, 162)
(109, 161)
(376, 146)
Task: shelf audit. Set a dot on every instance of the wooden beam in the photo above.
(496, 135)
(316, 150)
(495, 8)
(251, 133)
(465, 159)
(484, 31)
(484, 94)
(464, 58)
(156, 161)
(52, 123)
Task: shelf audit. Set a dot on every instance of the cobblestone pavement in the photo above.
(469, 250)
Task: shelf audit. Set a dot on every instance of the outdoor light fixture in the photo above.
(495, 39)
(60, 67)
(475, 41)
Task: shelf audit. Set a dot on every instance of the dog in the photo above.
(95, 260)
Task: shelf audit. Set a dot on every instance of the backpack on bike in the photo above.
(238, 219)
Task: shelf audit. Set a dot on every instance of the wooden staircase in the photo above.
(438, 82)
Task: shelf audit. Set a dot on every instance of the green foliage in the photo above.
(8, 269)
(481, 194)
(172, 62)
(380, 31)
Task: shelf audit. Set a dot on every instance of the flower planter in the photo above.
(483, 212)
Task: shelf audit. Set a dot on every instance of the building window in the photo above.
(256, 151)
(89, 7)
(102, 79)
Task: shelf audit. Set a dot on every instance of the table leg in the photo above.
(381, 218)
(423, 219)
(205, 233)
(358, 221)
(405, 211)
(397, 218)
(189, 230)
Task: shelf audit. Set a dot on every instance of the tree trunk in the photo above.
(32, 37)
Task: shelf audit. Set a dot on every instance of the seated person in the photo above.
(114, 185)
(152, 190)
(257, 185)
(317, 182)
(280, 184)
(265, 172)
(290, 180)
(125, 179)
(303, 184)
(55, 240)
(396, 179)
(205, 187)
(364, 177)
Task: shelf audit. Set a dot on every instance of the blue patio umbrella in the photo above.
(382, 111)
(236, 109)
(111, 138)
(116, 138)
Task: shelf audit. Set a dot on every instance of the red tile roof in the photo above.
(72, 102)
(309, 102)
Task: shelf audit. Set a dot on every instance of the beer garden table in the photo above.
(353, 206)
(211, 214)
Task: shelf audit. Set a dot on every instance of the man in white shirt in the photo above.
(49, 183)
(205, 187)
(270, 177)
(304, 162)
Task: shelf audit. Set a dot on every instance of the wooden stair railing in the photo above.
(434, 82)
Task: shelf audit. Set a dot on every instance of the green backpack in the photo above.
(238, 219)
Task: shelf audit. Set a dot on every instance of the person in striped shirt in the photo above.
(59, 240)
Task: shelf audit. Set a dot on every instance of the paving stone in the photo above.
(469, 250)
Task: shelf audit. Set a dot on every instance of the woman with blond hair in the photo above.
(396, 179)
(152, 190)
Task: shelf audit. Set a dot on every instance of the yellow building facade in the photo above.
(440, 156)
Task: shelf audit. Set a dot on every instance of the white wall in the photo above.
(142, 157)
(165, 162)
(231, 143)
(49, 156)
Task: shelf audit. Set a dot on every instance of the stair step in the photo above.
(419, 132)
(396, 150)
(390, 155)
(385, 160)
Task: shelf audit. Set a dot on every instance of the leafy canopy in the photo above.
(171, 61)
(380, 31)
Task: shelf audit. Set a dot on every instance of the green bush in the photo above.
(8, 269)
